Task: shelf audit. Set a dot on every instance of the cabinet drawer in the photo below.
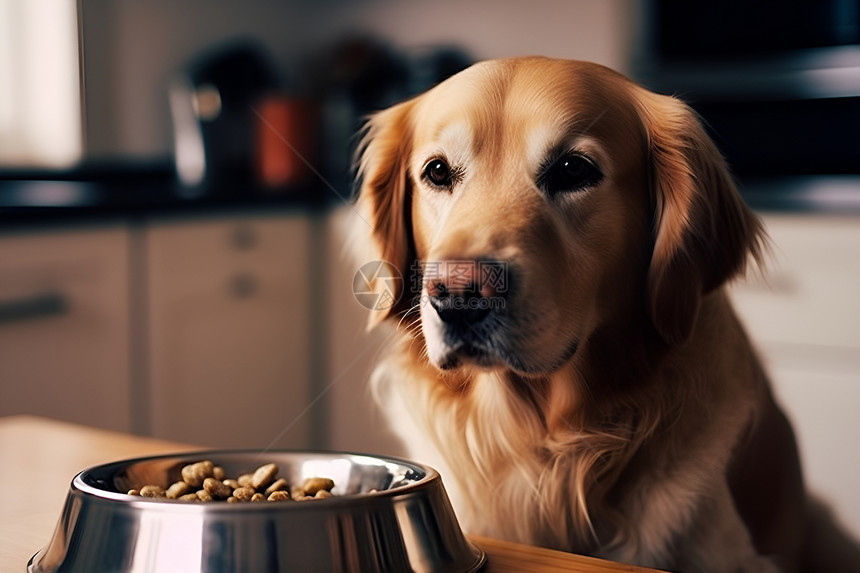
(64, 326)
(808, 292)
(228, 333)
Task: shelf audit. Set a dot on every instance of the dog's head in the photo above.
(543, 200)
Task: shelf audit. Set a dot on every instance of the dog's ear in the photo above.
(703, 231)
(385, 197)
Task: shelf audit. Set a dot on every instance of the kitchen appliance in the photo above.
(212, 103)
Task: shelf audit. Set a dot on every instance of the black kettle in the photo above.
(212, 107)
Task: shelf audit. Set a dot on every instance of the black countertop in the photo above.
(135, 193)
(831, 194)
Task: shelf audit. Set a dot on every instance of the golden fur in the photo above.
(614, 406)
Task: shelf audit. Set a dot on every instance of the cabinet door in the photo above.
(64, 326)
(229, 331)
(804, 316)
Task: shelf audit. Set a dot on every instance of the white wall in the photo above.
(132, 48)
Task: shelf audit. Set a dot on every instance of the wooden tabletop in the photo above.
(39, 457)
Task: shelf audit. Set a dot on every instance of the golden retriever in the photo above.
(568, 357)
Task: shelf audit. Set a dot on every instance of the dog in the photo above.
(567, 356)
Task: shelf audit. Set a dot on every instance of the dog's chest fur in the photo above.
(509, 477)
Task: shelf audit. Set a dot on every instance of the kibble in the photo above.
(279, 485)
(279, 495)
(178, 489)
(204, 481)
(152, 491)
(314, 484)
(217, 489)
(264, 476)
(194, 474)
(244, 493)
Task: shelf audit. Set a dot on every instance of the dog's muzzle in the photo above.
(463, 310)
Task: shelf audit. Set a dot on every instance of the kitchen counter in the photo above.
(39, 457)
(133, 192)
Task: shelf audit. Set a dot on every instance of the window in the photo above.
(40, 84)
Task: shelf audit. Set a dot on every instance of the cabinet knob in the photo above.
(243, 285)
(244, 237)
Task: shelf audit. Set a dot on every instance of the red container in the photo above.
(285, 142)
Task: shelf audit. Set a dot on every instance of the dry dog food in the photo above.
(204, 481)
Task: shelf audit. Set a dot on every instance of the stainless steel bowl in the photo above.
(387, 515)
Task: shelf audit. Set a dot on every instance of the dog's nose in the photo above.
(463, 293)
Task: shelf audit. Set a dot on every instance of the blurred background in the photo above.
(175, 182)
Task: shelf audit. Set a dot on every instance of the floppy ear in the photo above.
(703, 231)
(385, 197)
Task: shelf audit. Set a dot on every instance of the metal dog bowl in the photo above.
(386, 515)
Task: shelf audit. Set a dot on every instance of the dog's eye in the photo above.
(568, 172)
(439, 174)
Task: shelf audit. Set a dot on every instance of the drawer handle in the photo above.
(32, 307)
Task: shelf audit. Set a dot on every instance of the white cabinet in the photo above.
(355, 422)
(64, 325)
(228, 311)
(803, 313)
(807, 293)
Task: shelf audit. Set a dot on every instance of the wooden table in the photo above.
(39, 457)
